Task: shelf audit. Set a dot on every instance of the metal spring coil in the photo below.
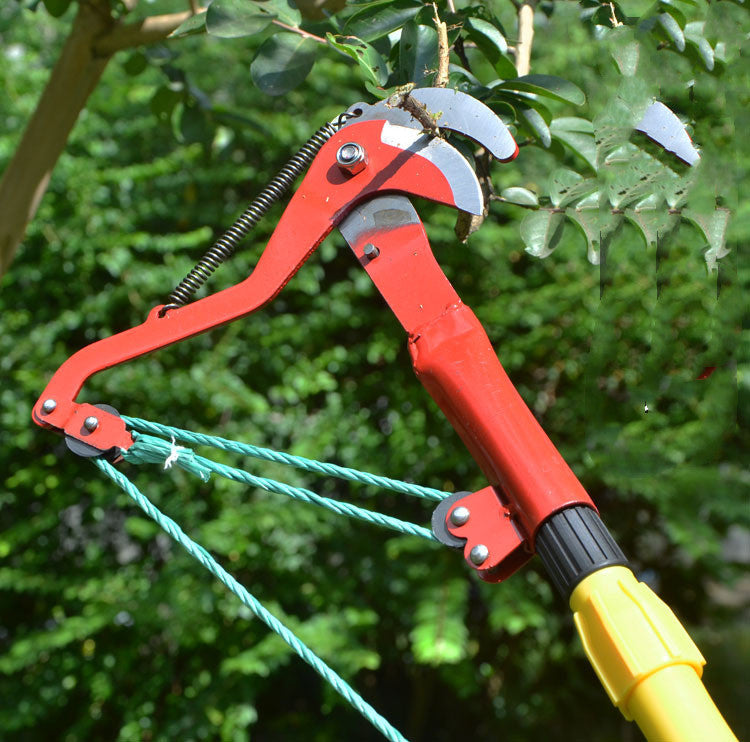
(223, 248)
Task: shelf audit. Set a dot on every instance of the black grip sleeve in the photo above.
(574, 543)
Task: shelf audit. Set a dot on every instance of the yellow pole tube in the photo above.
(644, 658)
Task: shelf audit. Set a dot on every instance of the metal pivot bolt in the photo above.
(91, 423)
(48, 406)
(371, 251)
(460, 515)
(479, 554)
(352, 157)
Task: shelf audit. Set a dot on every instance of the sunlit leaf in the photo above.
(195, 24)
(520, 196)
(596, 223)
(368, 58)
(714, 227)
(535, 121)
(375, 21)
(548, 86)
(541, 231)
(566, 186)
(578, 134)
(439, 635)
(231, 19)
(672, 29)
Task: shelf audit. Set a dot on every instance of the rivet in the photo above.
(371, 251)
(479, 554)
(460, 515)
(91, 423)
(48, 406)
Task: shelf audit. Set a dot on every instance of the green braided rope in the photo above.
(201, 555)
(318, 467)
(148, 449)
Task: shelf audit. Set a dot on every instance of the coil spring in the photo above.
(225, 245)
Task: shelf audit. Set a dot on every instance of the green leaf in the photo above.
(194, 125)
(520, 196)
(653, 220)
(672, 29)
(491, 42)
(194, 25)
(375, 21)
(549, 86)
(135, 63)
(56, 8)
(714, 228)
(578, 134)
(566, 186)
(369, 59)
(536, 123)
(541, 231)
(417, 53)
(595, 222)
(282, 63)
(231, 19)
(694, 34)
(164, 100)
(439, 635)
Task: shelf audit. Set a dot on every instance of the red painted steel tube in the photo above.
(455, 361)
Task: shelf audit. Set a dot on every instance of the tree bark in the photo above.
(525, 38)
(94, 38)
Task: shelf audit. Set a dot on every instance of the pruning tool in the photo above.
(358, 181)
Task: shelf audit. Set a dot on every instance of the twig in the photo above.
(298, 30)
(451, 6)
(147, 31)
(441, 78)
(525, 38)
(467, 224)
(402, 99)
(194, 6)
(613, 16)
(460, 49)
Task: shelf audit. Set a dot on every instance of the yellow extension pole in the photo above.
(645, 659)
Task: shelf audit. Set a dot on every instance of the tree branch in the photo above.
(72, 80)
(94, 37)
(525, 38)
(441, 78)
(148, 31)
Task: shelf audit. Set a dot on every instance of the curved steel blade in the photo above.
(383, 212)
(451, 110)
(467, 193)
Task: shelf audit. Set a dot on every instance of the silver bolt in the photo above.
(48, 406)
(371, 251)
(351, 157)
(91, 423)
(479, 554)
(460, 515)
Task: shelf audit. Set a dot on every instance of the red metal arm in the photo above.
(321, 201)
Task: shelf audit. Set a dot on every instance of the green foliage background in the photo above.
(108, 631)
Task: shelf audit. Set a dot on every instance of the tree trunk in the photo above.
(73, 79)
(94, 39)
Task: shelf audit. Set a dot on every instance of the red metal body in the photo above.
(451, 354)
(321, 201)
